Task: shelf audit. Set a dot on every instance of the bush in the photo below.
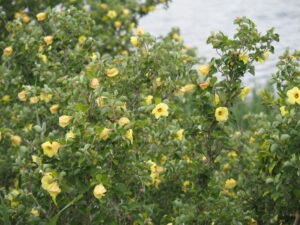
(105, 124)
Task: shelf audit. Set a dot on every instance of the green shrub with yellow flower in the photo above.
(102, 123)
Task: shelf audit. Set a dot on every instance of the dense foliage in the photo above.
(102, 123)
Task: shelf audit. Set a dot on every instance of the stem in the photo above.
(297, 218)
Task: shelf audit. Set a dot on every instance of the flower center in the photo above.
(220, 113)
(159, 110)
(296, 95)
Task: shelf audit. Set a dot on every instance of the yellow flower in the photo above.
(140, 32)
(204, 85)
(252, 140)
(64, 120)
(48, 40)
(221, 114)
(8, 50)
(51, 149)
(125, 12)
(34, 100)
(82, 39)
(99, 191)
(43, 58)
(41, 16)
(160, 110)
(226, 167)
(232, 154)
(95, 83)
(293, 96)
(46, 97)
(129, 135)
(112, 72)
(0, 136)
(243, 57)
(158, 82)
(26, 19)
(35, 212)
(176, 37)
(244, 92)
(53, 109)
(22, 96)
(6, 98)
(36, 159)
(283, 111)
(266, 56)
(111, 14)
(179, 134)
(164, 158)
(230, 183)
(103, 6)
(131, 26)
(100, 101)
(104, 135)
(134, 41)
(185, 185)
(203, 69)
(53, 189)
(217, 99)
(16, 140)
(118, 24)
(123, 121)
(70, 135)
(148, 99)
(187, 88)
(152, 8)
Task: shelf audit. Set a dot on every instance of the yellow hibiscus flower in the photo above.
(160, 110)
(221, 114)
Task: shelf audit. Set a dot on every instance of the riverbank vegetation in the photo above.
(103, 123)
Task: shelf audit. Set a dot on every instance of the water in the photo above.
(197, 18)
